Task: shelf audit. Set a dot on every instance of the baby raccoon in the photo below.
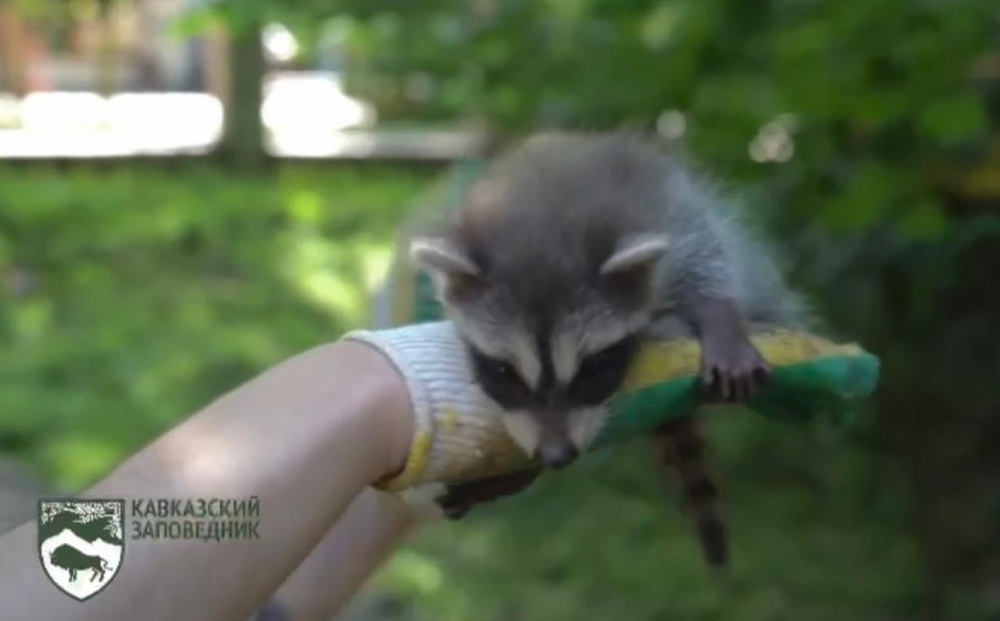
(567, 255)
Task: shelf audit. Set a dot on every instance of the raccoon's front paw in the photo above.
(458, 500)
(732, 370)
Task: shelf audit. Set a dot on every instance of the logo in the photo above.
(81, 543)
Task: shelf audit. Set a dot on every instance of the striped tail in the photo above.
(683, 445)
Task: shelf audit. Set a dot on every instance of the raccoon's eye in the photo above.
(500, 380)
(612, 355)
(499, 369)
(494, 368)
(601, 373)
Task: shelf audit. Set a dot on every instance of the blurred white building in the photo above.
(124, 84)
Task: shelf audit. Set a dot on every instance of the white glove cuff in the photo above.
(458, 433)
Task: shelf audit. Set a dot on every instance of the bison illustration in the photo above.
(69, 558)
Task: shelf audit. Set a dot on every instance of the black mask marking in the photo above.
(500, 380)
(598, 377)
(601, 373)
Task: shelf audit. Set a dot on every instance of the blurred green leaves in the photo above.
(883, 85)
(953, 119)
(133, 297)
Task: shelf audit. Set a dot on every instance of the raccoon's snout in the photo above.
(543, 437)
(557, 453)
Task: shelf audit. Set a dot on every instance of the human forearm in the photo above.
(365, 534)
(305, 438)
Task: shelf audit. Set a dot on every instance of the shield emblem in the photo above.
(81, 543)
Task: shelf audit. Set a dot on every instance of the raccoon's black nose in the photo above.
(557, 454)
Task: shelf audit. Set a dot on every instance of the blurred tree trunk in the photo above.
(13, 50)
(150, 72)
(243, 142)
(214, 60)
(108, 52)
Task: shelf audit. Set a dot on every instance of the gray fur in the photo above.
(550, 212)
(542, 272)
(719, 252)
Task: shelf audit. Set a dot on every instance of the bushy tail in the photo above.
(683, 447)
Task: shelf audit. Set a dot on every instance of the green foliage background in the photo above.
(135, 295)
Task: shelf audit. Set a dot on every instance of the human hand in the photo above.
(461, 454)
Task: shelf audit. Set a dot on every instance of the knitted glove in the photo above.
(459, 436)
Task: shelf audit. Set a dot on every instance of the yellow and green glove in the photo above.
(459, 436)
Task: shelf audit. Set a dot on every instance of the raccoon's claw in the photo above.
(459, 499)
(456, 512)
(733, 371)
(455, 503)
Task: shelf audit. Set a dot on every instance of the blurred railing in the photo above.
(306, 115)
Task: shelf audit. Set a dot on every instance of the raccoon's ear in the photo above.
(447, 264)
(636, 253)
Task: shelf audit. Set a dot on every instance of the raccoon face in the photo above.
(550, 349)
(554, 418)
